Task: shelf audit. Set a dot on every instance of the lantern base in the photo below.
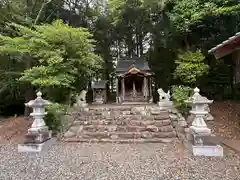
(200, 130)
(205, 145)
(165, 104)
(210, 151)
(36, 148)
(38, 135)
(38, 138)
(37, 130)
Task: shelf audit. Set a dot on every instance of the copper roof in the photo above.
(228, 41)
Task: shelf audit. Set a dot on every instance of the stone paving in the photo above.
(73, 161)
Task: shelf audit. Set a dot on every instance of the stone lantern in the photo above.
(38, 113)
(199, 103)
(204, 143)
(38, 133)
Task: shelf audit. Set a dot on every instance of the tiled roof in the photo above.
(229, 40)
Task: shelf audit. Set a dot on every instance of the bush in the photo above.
(179, 95)
(53, 118)
(190, 67)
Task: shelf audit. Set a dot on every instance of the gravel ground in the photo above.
(118, 162)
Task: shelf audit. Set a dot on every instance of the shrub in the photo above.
(53, 118)
(179, 95)
(190, 67)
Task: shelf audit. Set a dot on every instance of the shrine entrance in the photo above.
(134, 85)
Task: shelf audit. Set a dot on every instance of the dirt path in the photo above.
(226, 119)
(13, 130)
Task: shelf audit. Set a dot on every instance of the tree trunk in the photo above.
(41, 10)
(137, 44)
(186, 43)
(29, 95)
(141, 43)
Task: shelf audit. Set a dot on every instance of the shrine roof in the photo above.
(125, 64)
(233, 41)
(99, 84)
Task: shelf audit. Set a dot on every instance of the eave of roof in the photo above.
(99, 84)
(228, 41)
(125, 65)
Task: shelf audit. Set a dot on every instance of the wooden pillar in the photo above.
(150, 87)
(105, 95)
(117, 93)
(123, 88)
(145, 92)
(237, 67)
(93, 94)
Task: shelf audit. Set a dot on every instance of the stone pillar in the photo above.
(203, 142)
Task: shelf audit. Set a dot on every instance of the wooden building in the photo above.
(133, 81)
(230, 46)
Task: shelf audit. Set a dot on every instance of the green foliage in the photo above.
(60, 59)
(62, 55)
(190, 66)
(186, 13)
(54, 116)
(179, 95)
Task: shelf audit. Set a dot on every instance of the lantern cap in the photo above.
(38, 102)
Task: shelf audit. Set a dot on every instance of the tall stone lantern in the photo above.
(38, 133)
(38, 113)
(204, 143)
(199, 103)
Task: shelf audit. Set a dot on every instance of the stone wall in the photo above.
(179, 123)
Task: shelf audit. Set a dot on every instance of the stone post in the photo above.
(204, 143)
(38, 133)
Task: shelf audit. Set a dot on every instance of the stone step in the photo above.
(158, 123)
(121, 135)
(121, 113)
(116, 128)
(123, 117)
(122, 124)
(121, 110)
(107, 140)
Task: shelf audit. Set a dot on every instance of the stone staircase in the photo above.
(122, 124)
